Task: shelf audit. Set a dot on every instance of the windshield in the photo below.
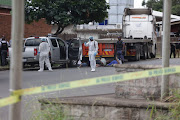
(33, 42)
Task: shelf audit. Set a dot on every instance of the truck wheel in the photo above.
(153, 55)
(144, 53)
(137, 57)
(148, 54)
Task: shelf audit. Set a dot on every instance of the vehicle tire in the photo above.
(139, 57)
(153, 55)
(148, 54)
(144, 53)
(138, 54)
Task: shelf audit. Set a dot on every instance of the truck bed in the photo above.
(114, 40)
(136, 40)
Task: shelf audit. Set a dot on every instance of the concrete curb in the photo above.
(106, 100)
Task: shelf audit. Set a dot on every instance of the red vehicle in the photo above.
(106, 49)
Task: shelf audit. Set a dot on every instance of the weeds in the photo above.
(51, 112)
(173, 111)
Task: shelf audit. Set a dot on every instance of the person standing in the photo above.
(173, 49)
(93, 49)
(177, 49)
(44, 50)
(120, 46)
(4, 50)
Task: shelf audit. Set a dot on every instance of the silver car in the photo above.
(62, 52)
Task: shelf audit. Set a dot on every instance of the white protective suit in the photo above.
(93, 49)
(44, 50)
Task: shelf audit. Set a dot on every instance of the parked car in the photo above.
(60, 52)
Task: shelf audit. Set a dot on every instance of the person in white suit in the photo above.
(44, 50)
(93, 50)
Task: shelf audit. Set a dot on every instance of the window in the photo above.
(60, 42)
(54, 43)
(32, 42)
(75, 43)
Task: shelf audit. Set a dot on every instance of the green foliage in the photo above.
(66, 12)
(174, 109)
(176, 9)
(143, 3)
(51, 112)
(158, 5)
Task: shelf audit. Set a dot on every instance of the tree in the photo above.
(143, 3)
(66, 12)
(158, 6)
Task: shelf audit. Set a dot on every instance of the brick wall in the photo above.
(5, 25)
(39, 28)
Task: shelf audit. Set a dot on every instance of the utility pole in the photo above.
(166, 46)
(17, 34)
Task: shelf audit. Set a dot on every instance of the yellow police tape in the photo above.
(9, 100)
(96, 81)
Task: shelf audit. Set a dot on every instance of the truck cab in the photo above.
(139, 33)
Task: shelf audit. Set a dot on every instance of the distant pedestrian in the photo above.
(173, 49)
(120, 47)
(93, 50)
(178, 48)
(44, 50)
(3, 51)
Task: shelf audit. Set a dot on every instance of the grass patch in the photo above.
(173, 112)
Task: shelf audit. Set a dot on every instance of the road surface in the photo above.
(32, 78)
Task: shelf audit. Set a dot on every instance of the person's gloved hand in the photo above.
(85, 43)
(95, 53)
(38, 52)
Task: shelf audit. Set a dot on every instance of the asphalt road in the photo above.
(32, 78)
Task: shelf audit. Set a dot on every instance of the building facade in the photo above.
(39, 28)
(116, 10)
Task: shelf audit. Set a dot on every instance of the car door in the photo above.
(55, 51)
(75, 49)
(63, 49)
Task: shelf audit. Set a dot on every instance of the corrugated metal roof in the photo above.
(5, 2)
